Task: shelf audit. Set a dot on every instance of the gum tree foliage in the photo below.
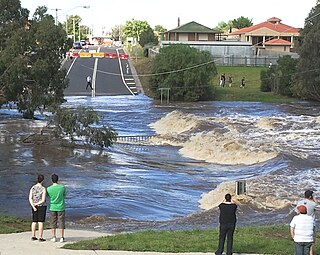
(279, 78)
(307, 81)
(82, 123)
(159, 29)
(148, 37)
(116, 33)
(12, 17)
(134, 28)
(187, 71)
(224, 26)
(74, 21)
(242, 22)
(30, 62)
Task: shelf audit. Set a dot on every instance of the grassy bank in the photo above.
(11, 224)
(251, 92)
(235, 93)
(250, 239)
(257, 240)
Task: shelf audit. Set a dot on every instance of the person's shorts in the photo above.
(40, 214)
(57, 218)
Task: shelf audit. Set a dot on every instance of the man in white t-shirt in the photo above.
(89, 82)
(311, 202)
(302, 231)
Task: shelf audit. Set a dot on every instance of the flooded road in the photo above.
(175, 180)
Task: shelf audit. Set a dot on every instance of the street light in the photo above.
(56, 9)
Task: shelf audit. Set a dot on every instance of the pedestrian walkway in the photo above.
(21, 244)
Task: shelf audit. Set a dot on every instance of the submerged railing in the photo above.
(134, 138)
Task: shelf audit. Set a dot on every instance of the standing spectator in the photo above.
(57, 194)
(311, 203)
(37, 198)
(230, 80)
(302, 231)
(89, 82)
(227, 220)
(243, 82)
(222, 80)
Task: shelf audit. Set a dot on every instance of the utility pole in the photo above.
(74, 29)
(56, 9)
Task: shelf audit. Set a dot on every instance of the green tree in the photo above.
(307, 81)
(82, 123)
(159, 29)
(279, 78)
(286, 67)
(134, 28)
(12, 17)
(148, 37)
(116, 33)
(30, 65)
(242, 22)
(72, 26)
(266, 80)
(224, 26)
(186, 71)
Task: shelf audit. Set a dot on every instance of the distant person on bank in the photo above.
(243, 82)
(227, 220)
(302, 231)
(57, 194)
(37, 199)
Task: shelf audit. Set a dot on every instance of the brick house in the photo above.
(270, 35)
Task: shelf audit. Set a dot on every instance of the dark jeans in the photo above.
(226, 230)
(302, 248)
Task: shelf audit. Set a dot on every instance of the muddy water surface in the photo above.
(175, 180)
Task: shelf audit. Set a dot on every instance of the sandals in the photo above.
(42, 239)
(34, 238)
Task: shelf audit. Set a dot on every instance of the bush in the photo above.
(186, 71)
(265, 77)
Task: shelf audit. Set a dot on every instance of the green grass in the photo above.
(273, 239)
(251, 92)
(253, 239)
(11, 224)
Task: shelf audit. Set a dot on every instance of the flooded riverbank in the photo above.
(175, 181)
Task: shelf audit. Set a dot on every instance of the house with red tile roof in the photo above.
(270, 35)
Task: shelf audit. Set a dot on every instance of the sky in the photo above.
(108, 14)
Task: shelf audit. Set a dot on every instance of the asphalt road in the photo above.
(110, 76)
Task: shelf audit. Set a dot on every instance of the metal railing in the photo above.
(134, 138)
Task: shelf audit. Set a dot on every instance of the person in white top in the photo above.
(89, 82)
(302, 231)
(37, 198)
(311, 202)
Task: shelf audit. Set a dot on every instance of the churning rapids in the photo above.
(176, 179)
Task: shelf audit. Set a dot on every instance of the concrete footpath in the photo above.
(21, 244)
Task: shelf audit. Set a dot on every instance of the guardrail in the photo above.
(134, 138)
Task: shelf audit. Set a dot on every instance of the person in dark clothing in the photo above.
(227, 220)
(243, 82)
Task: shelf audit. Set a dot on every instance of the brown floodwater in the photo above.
(175, 180)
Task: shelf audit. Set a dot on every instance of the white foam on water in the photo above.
(238, 139)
